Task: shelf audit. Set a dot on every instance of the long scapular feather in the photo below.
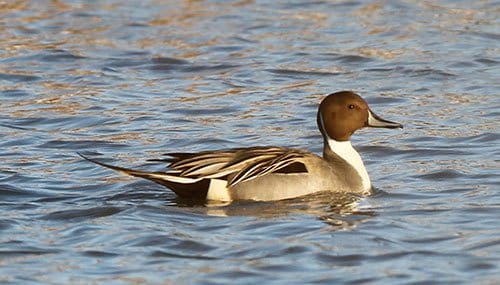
(235, 165)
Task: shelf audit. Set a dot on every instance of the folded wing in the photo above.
(188, 172)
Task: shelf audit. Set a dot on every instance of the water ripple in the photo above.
(82, 214)
(131, 80)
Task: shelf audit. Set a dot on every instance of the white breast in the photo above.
(348, 153)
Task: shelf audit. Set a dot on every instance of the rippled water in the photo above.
(126, 82)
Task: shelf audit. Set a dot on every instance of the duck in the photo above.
(270, 173)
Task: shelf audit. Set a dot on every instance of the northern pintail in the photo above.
(275, 173)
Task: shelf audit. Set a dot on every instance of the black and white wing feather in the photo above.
(234, 165)
(237, 165)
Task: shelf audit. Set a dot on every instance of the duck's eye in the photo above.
(351, 106)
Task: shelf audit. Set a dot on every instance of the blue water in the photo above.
(126, 82)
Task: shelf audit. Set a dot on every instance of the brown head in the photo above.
(340, 114)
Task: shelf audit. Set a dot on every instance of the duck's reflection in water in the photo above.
(341, 210)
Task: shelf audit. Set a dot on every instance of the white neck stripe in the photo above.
(345, 150)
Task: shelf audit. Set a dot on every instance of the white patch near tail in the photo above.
(217, 190)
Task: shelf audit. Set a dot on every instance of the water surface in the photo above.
(126, 82)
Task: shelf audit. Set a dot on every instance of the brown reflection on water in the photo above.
(29, 32)
(182, 14)
(339, 210)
